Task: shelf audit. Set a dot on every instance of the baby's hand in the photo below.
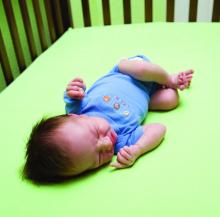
(75, 89)
(126, 157)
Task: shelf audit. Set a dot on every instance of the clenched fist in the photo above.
(75, 88)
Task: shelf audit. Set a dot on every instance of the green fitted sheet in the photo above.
(180, 178)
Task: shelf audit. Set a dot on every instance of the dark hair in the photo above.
(46, 160)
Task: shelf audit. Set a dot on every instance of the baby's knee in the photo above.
(172, 98)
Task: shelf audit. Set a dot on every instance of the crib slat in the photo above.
(44, 22)
(6, 68)
(14, 34)
(21, 32)
(159, 10)
(170, 10)
(148, 11)
(116, 11)
(181, 11)
(57, 16)
(106, 12)
(2, 79)
(193, 10)
(50, 20)
(33, 26)
(77, 13)
(9, 50)
(28, 30)
(216, 11)
(137, 11)
(127, 11)
(86, 13)
(205, 8)
(96, 12)
(40, 25)
(66, 14)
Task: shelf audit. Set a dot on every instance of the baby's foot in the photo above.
(181, 80)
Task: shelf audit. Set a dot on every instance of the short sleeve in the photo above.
(128, 139)
(135, 136)
(72, 106)
(140, 57)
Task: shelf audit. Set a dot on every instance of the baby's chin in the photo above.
(106, 157)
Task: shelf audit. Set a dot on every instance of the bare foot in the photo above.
(181, 80)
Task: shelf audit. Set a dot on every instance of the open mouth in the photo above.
(113, 137)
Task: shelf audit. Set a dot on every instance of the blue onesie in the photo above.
(121, 100)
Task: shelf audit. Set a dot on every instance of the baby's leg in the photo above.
(167, 98)
(164, 99)
(147, 71)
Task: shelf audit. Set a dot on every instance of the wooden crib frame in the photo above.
(28, 27)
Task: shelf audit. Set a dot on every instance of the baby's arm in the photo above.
(73, 95)
(152, 137)
(147, 71)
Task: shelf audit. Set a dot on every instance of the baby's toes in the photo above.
(182, 76)
(189, 72)
(189, 82)
(182, 87)
(189, 78)
(180, 80)
(184, 79)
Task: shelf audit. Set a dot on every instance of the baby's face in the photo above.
(89, 140)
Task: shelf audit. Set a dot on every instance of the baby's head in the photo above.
(68, 145)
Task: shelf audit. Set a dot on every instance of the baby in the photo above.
(104, 120)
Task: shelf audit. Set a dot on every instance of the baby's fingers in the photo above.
(117, 165)
(124, 158)
(75, 88)
(78, 79)
(75, 94)
(76, 84)
(126, 153)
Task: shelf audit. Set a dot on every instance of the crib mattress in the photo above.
(180, 178)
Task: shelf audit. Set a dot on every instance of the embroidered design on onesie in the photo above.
(126, 113)
(106, 98)
(119, 105)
